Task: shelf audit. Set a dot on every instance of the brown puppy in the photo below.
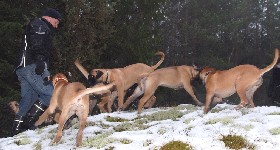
(243, 79)
(70, 98)
(172, 77)
(124, 78)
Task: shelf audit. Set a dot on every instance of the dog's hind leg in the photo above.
(111, 100)
(137, 92)
(62, 119)
(82, 119)
(151, 101)
(241, 91)
(251, 90)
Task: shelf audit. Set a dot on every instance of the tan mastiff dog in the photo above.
(172, 77)
(123, 78)
(243, 79)
(70, 98)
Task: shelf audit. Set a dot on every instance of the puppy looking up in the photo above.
(124, 78)
(70, 98)
(175, 77)
(243, 79)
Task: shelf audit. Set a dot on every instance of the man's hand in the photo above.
(40, 67)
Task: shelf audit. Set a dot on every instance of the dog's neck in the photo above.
(205, 77)
(59, 78)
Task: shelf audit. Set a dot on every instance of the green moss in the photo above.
(164, 115)
(187, 121)
(274, 113)
(161, 131)
(90, 123)
(22, 141)
(147, 143)
(245, 127)
(225, 120)
(237, 142)
(176, 145)
(115, 119)
(125, 141)
(37, 145)
(189, 107)
(100, 140)
(275, 131)
(130, 126)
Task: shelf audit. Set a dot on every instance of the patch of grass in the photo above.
(245, 127)
(90, 123)
(176, 145)
(125, 141)
(161, 131)
(100, 140)
(115, 119)
(164, 115)
(102, 125)
(216, 109)
(275, 131)
(147, 143)
(130, 126)
(37, 145)
(244, 111)
(274, 113)
(236, 142)
(22, 141)
(187, 121)
(225, 121)
(189, 107)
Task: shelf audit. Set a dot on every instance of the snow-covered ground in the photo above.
(155, 127)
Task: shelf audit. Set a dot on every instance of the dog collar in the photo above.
(205, 77)
(107, 76)
(57, 79)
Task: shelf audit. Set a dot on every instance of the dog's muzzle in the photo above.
(91, 80)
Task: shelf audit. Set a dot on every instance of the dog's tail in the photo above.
(95, 90)
(266, 69)
(160, 61)
(81, 68)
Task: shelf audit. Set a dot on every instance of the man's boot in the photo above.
(34, 113)
(17, 125)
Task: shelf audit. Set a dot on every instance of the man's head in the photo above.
(52, 16)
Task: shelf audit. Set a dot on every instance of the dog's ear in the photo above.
(98, 74)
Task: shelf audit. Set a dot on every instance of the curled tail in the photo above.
(269, 67)
(81, 68)
(160, 61)
(95, 90)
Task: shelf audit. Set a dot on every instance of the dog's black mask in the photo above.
(91, 80)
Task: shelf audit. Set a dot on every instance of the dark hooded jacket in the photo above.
(36, 46)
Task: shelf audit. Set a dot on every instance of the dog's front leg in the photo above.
(209, 97)
(120, 97)
(42, 118)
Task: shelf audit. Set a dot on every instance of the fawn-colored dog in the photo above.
(243, 79)
(70, 98)
(172, 77)
(123, 78)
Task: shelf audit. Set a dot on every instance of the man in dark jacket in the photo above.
(32, 68)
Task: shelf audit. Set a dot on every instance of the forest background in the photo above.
(117, 33)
